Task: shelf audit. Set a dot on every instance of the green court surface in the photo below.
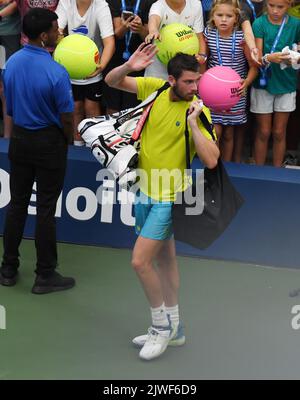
(237, 321)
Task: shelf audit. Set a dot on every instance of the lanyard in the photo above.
(249, 2)
(128, 35)
(232, 47)
(263, 70)
(136, 7)
(278, 35)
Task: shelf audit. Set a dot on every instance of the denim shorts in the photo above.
(153, 218)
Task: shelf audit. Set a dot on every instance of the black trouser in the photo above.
(34, 156)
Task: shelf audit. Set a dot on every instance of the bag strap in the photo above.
(187, 142)
(207, 125)
(126, 116)
(147, 102)
(143, 118)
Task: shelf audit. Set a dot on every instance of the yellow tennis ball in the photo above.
(78, 54)
(294, 11)
(176, 38)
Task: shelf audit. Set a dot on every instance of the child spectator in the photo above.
(250, 10)
(93, 19)
(225, 46)
(166, 12)
(273, 96)
(130, 32)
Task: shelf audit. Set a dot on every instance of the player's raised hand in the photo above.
(142, 57)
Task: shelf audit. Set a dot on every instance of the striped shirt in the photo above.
(235, 60)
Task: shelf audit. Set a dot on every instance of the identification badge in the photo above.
(262, 82)
(126, 55)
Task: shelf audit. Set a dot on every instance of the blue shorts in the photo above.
(153, 219)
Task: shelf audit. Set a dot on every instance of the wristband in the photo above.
(203, 55)
(265, 60)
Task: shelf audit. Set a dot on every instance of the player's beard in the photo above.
(180, 95)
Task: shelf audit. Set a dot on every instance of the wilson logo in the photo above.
(184, 32)
(234, 90)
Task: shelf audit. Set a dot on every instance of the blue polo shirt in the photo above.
(37, 89)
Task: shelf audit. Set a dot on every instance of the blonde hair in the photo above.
(289, 2)
(233, 3)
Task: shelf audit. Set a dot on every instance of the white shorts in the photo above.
(263, 102)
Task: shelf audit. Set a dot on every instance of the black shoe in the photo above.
(8, 281)
(53, 283)
(290, 159)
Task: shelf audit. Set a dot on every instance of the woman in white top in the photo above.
(166, 12)
(93, 19)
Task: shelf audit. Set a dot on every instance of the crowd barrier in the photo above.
(264, 232)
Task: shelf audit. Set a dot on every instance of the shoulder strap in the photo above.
(146, 110)
(207, 125)
(149, 100)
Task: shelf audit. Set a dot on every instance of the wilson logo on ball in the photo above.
(176, 38)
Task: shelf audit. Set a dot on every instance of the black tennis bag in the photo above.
(221, 203)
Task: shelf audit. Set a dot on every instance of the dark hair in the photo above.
(182, 62)
(37, 21)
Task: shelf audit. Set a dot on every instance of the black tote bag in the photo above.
(221, 203)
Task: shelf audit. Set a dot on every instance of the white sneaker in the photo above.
(177, 338)
(156, 342)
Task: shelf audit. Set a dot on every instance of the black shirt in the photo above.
(247, 13)
(116, 11)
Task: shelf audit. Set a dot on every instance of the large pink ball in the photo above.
(218, 88)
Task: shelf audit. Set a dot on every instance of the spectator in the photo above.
(273, 95)
(225, 46)
(188, 12)
(93, 19)
(129, 33)
(25, 5)
(250, 10)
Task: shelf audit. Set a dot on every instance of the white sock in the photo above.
(173, 312)
(159, 316)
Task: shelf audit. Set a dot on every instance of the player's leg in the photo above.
(153, 224)
(169, 278)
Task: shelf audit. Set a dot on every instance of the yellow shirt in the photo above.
(162, 159)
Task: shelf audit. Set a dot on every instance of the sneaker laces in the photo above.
(155, 334)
